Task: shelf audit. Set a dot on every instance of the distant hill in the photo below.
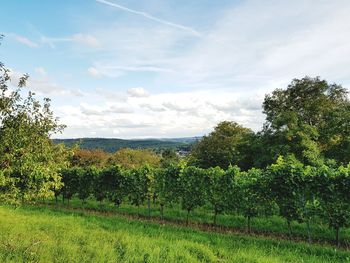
(112, 145)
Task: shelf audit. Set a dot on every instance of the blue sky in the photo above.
(161, 68)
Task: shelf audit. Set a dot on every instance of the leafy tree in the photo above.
(192, 183)
(84, 158)
(29, 161)
(132, 158)
(226, 145)
(308, 119)
(336, 135)
(169, 157)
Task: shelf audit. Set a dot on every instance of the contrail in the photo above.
(146, 15)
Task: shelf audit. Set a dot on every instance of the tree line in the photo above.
(287, 188)
(309, 119)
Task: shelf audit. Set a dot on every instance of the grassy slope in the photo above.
(274, 225)
(46, 235)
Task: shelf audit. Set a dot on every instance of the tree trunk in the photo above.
(188, 214)
(249, 224)
(215, 216)
(56, 200)
(149, 206)
(289, 229)
(154, 199)
(337, 230)
(63, 199)
(162, 211)
(308, 231)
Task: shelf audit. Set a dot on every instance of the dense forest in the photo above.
(112, 145)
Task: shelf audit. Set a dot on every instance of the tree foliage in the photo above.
(308, 119)
(226, 145)
(134, 158)
(285, 181)
(219, 188)
(29, 161)
(251, 194)
(334, 196)
(192, 188)
(168, 185)
(82, 157)
(288, 188)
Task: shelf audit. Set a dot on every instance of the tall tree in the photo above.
(226, 145)
(29, 161)
(308, 119)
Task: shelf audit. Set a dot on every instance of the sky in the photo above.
(170, 68)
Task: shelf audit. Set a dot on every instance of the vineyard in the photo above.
(287, 189)
(281, 194)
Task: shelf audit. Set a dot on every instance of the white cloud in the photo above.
(79, 38)
(161, 115)
(246, 49)
(109, 95)
(86, 39)
(119, 109)
(138, 92)
(43, 85)
(257, 42)
(41, 71)
(130, 49)
(106, 109)
(253, 48)
(25, 41)
(94, 72)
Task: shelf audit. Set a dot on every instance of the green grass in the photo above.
(34, 234)
(272, 225)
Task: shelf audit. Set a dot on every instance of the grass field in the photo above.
(33, 234)
(273, 225)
